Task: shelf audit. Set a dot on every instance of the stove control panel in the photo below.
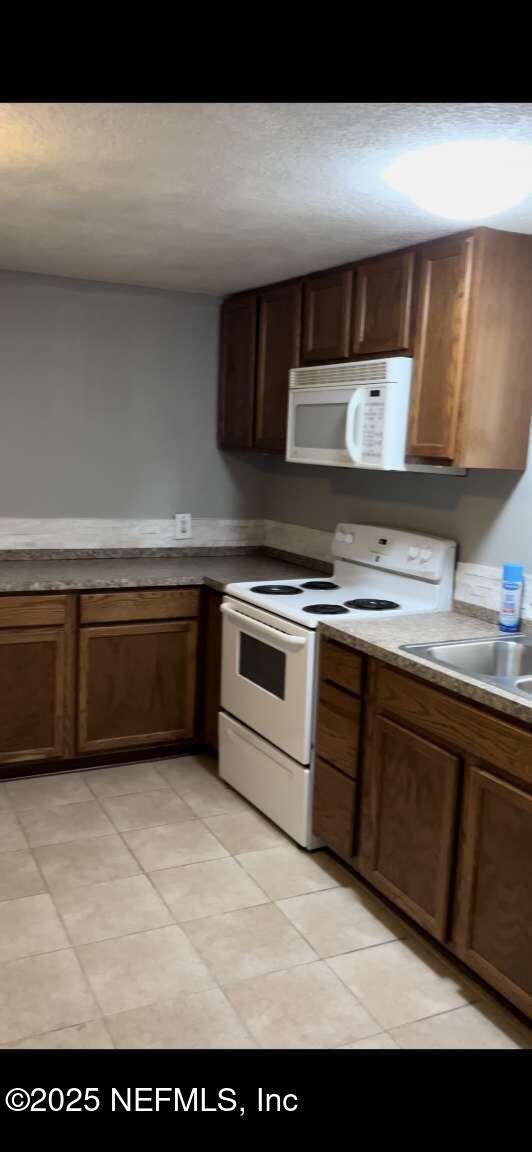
(428, 558)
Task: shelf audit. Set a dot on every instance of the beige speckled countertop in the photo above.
(383, 639)
(145, 572)
(379, 638)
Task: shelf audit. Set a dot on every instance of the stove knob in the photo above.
(348, 538)
(413, 553)
(426, 554)
(340, 537)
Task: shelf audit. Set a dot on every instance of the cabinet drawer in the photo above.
(334, 808)
(101, 608)
(340, 665)
(19, 611)
(464, 727)
(338, 728)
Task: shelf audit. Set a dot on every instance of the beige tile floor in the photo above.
(149, 906)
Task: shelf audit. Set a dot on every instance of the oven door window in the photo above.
(320, 426)
(263, 665)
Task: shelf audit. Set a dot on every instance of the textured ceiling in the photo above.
(219, 197)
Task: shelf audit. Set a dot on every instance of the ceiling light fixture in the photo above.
(465, 180)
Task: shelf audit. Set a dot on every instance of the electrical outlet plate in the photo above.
(183, 525)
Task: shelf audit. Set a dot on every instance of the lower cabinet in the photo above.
(31, 694)
(97, 672)
(494, 922)
(414, 790)
(435, 812)
(137, 684)
(36, 678)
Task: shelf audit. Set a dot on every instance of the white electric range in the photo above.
(269, 657)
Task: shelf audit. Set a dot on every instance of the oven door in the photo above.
(317, 430)
(267, 676)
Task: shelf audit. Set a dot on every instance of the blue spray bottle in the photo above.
(513, 579)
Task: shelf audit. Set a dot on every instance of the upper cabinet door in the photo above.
(236, 403)
(439, 355)
(327, 316)
(383, 304)
(279, 345)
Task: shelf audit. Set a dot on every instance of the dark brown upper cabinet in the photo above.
(471, 296)
(278, 352)
(383, 304)
(471, 396)
(445, 294)
(236, 398)
(327, 316)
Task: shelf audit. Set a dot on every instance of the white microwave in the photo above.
(350, 415)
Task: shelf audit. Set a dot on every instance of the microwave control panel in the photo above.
(373, 426)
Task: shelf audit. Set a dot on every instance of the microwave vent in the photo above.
(334, 375)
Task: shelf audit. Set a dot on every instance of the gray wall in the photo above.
(108, 403)
(488, 513)
(108, 408)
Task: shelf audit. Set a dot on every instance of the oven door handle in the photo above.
(263, 631)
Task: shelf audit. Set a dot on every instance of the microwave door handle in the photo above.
(353, 426)
(263, 631)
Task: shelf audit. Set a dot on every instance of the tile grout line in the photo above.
(185, 996)
(205, 963)
(143, 872)
(250, 877)
(354, 951)
(70, 948)
(174, 921)
(483, 998)
(26, 844)
(56, 951)
(325, 959)
(315, 958)
(306, 964)
(64, 1028)
(203, 959)
(72, 945)
(457, 1008)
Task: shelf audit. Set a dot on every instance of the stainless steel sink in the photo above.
(525, 685)
(502, 660)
